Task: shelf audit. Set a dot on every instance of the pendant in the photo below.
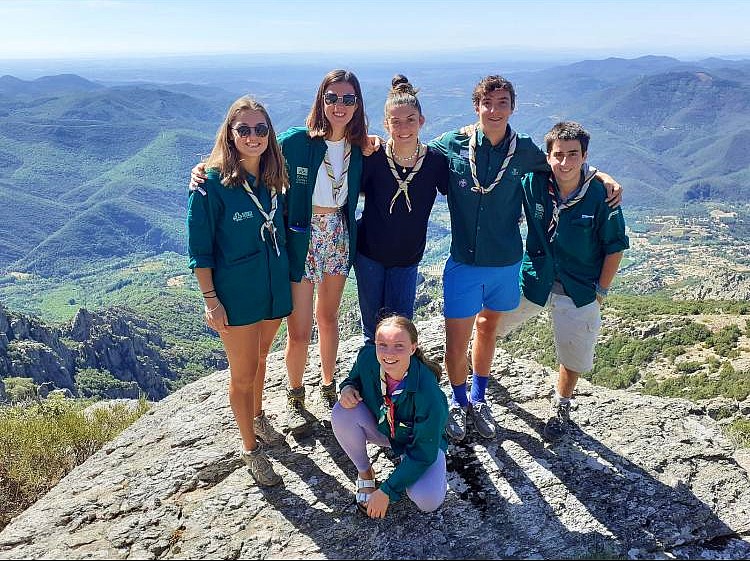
(403, 170)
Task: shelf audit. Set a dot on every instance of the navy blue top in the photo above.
(398, 239)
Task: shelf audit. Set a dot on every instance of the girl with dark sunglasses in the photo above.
(325, 167)
(324, 161)
(236, 244)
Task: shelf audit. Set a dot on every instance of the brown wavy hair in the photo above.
(225, 158)
(317, 124)
(408, 325)
(490, 84)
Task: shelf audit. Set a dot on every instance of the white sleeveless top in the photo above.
(323, 191)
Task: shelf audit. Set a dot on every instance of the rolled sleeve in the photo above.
(614, 239)
(200, 232)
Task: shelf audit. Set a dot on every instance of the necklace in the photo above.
(403, 184)
(407, 158)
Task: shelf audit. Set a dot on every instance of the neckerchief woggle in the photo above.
(403, 184)
(268, 224)
(388, 409)
(477, 188)
(337, 184)
(558, 206)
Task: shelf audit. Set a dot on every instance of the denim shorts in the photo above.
(469, 288)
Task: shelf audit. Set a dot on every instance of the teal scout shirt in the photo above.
(484, 228)
(420, 415)
(586, 233)
(304, 155)
(223, 230)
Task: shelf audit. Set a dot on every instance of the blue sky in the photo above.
(109, 28)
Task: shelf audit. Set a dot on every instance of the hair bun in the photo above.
(400, 84)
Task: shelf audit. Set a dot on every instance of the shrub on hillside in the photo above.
(41, 443)
(18, 389)
(739, 432)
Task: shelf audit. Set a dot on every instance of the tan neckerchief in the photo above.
(337, 184)
(268, 224)
(403, 184)
(473, 163)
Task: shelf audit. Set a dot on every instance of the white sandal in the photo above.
(361, 497)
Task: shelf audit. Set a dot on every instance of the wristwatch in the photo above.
(601, 291)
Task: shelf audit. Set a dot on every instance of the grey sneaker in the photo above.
(296, 421)
(455, 427)
(328, 394)
(264, 430)
(260, 467)
(559, 419)
(483, 420)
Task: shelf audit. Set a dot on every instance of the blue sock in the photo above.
(478, 387)
(459, 394)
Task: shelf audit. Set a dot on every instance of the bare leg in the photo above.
(299, 330)
(327, 315)
(457, 335)
(483, 345)
(566, 383)
(268, 330)
(241, 344)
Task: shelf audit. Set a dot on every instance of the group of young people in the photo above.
(272, 233)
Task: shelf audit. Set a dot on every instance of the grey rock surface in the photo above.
(638, 477)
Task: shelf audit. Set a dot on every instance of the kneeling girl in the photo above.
(392, 398)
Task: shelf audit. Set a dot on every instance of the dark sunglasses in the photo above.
(261, 130)
(347, 99)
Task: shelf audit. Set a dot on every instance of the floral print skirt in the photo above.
(329, 247)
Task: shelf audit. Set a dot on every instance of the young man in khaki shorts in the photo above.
(574, 246)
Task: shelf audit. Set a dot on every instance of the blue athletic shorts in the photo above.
(468, 288)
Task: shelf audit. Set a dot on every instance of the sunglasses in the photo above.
(261, 130)
(347, 99)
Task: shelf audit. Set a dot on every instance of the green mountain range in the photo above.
(90, 171)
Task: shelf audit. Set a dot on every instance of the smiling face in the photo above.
(337, 114)
(394, 348)
(565, 157)
(251, 147)
(403, 124)
(494, 109)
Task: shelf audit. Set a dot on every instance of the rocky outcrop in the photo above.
(638, 477)
(112, 340)
(31, 349)
(125, 345)
(722, 285)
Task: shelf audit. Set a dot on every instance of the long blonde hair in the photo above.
(225, 158)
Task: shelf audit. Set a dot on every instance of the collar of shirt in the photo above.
(484, 142)
(573, 193)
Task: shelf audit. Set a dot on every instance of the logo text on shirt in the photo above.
(240, 216)
(302, 175)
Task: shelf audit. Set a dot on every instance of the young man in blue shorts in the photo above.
(573, 250)
(480, 281)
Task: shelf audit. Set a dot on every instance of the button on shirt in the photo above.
(484, 227)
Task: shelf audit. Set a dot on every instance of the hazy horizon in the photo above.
(337, 30)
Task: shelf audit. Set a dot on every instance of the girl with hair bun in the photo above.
(392, 398)
(400, 184)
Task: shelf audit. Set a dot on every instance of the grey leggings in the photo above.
(354, 428)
